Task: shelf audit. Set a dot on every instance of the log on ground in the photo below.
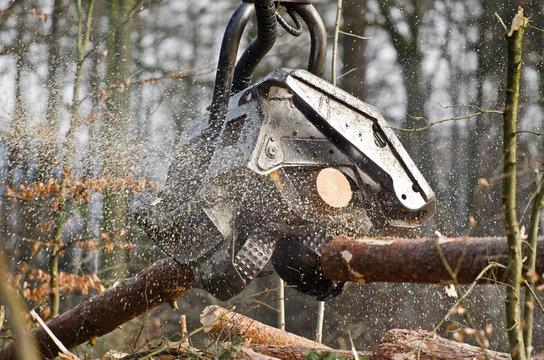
(163, 282)
(221, 324)
(367, 260)
(422, 345)
(292, 352)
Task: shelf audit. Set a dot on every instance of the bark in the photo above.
(163, 282)
(396, 344)
(115, 132)
(293, 352)
(369, 260)
(410, 56)
(422, 345)
(511, 225)
(530, 263)
(221, 324)
(246, 353)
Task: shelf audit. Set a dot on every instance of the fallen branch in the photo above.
(163, 282)
(369, 260)
(396, 344)
(246, 353)
(221, 324)
(292, 352)
(420, 344)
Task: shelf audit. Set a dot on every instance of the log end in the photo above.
(333, 187)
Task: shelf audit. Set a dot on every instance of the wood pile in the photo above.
(235, 336)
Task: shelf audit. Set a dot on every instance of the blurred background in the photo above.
(94, 95)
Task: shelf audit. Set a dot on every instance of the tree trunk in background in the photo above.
(409, 57)
(482, 149)
(535, 44)
(46, 163)
(353, 49)
(115, 133)
(15, 148)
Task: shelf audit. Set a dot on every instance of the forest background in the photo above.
(95, 94)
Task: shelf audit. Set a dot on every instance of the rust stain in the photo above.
(275, 175)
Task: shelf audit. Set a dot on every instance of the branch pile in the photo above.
(223, 326)
(236, 336)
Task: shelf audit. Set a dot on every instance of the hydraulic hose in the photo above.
(257, 49)
(225, 69)
(318, 37)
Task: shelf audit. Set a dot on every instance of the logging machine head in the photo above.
(245, 187)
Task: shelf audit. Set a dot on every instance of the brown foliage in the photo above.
(77, 189)
(35, 285)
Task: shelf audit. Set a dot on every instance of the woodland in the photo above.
(96, 94)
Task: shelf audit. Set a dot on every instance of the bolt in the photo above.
(271, 151)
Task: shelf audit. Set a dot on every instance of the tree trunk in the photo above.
(353, 49)
(163, 282)
(221, 324)
(293, 352)
(417, 260)
(46, 165)
(509, 189)
(115, 133)
(422, 345)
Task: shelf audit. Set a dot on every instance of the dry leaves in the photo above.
(35, 284)
(77, 189)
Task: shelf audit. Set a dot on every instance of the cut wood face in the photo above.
(333, 187)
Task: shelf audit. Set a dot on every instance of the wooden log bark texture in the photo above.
(292, 352)
(163, 282)
(421, 345)
(221, 324)
(367, 260)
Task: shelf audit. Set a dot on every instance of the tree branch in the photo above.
(511, 224)
(479, 112)
(531, 253)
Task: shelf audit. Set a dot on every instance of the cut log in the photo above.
(325, 191)
(221, 324)
(292, 352)
(420, 344)
(163, 282)
(245, 353)
(369, 260)
(333, 187)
